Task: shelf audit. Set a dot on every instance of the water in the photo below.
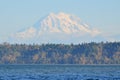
(59, 72)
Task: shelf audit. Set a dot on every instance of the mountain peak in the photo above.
(52, 14)
(58, 14)
(61, 14)
(64, 23)
(61, 24)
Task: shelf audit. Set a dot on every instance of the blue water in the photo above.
(59, 72)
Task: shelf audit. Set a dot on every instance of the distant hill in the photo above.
(85, 53)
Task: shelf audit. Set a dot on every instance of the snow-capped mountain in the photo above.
(64, 23)
(58, 27)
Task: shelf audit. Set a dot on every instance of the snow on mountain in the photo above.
(58, 26)
(64, 23)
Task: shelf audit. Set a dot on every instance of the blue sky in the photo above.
(19, 14)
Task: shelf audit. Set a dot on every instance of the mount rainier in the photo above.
(58, 28)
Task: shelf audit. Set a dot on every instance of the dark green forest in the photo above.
(84, 53)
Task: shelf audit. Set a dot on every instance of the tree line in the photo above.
(84, 53)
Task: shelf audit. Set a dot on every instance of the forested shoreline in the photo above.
(84, 53)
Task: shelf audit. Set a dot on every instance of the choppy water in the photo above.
(59, 72)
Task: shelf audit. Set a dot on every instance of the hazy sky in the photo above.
(19, 14)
